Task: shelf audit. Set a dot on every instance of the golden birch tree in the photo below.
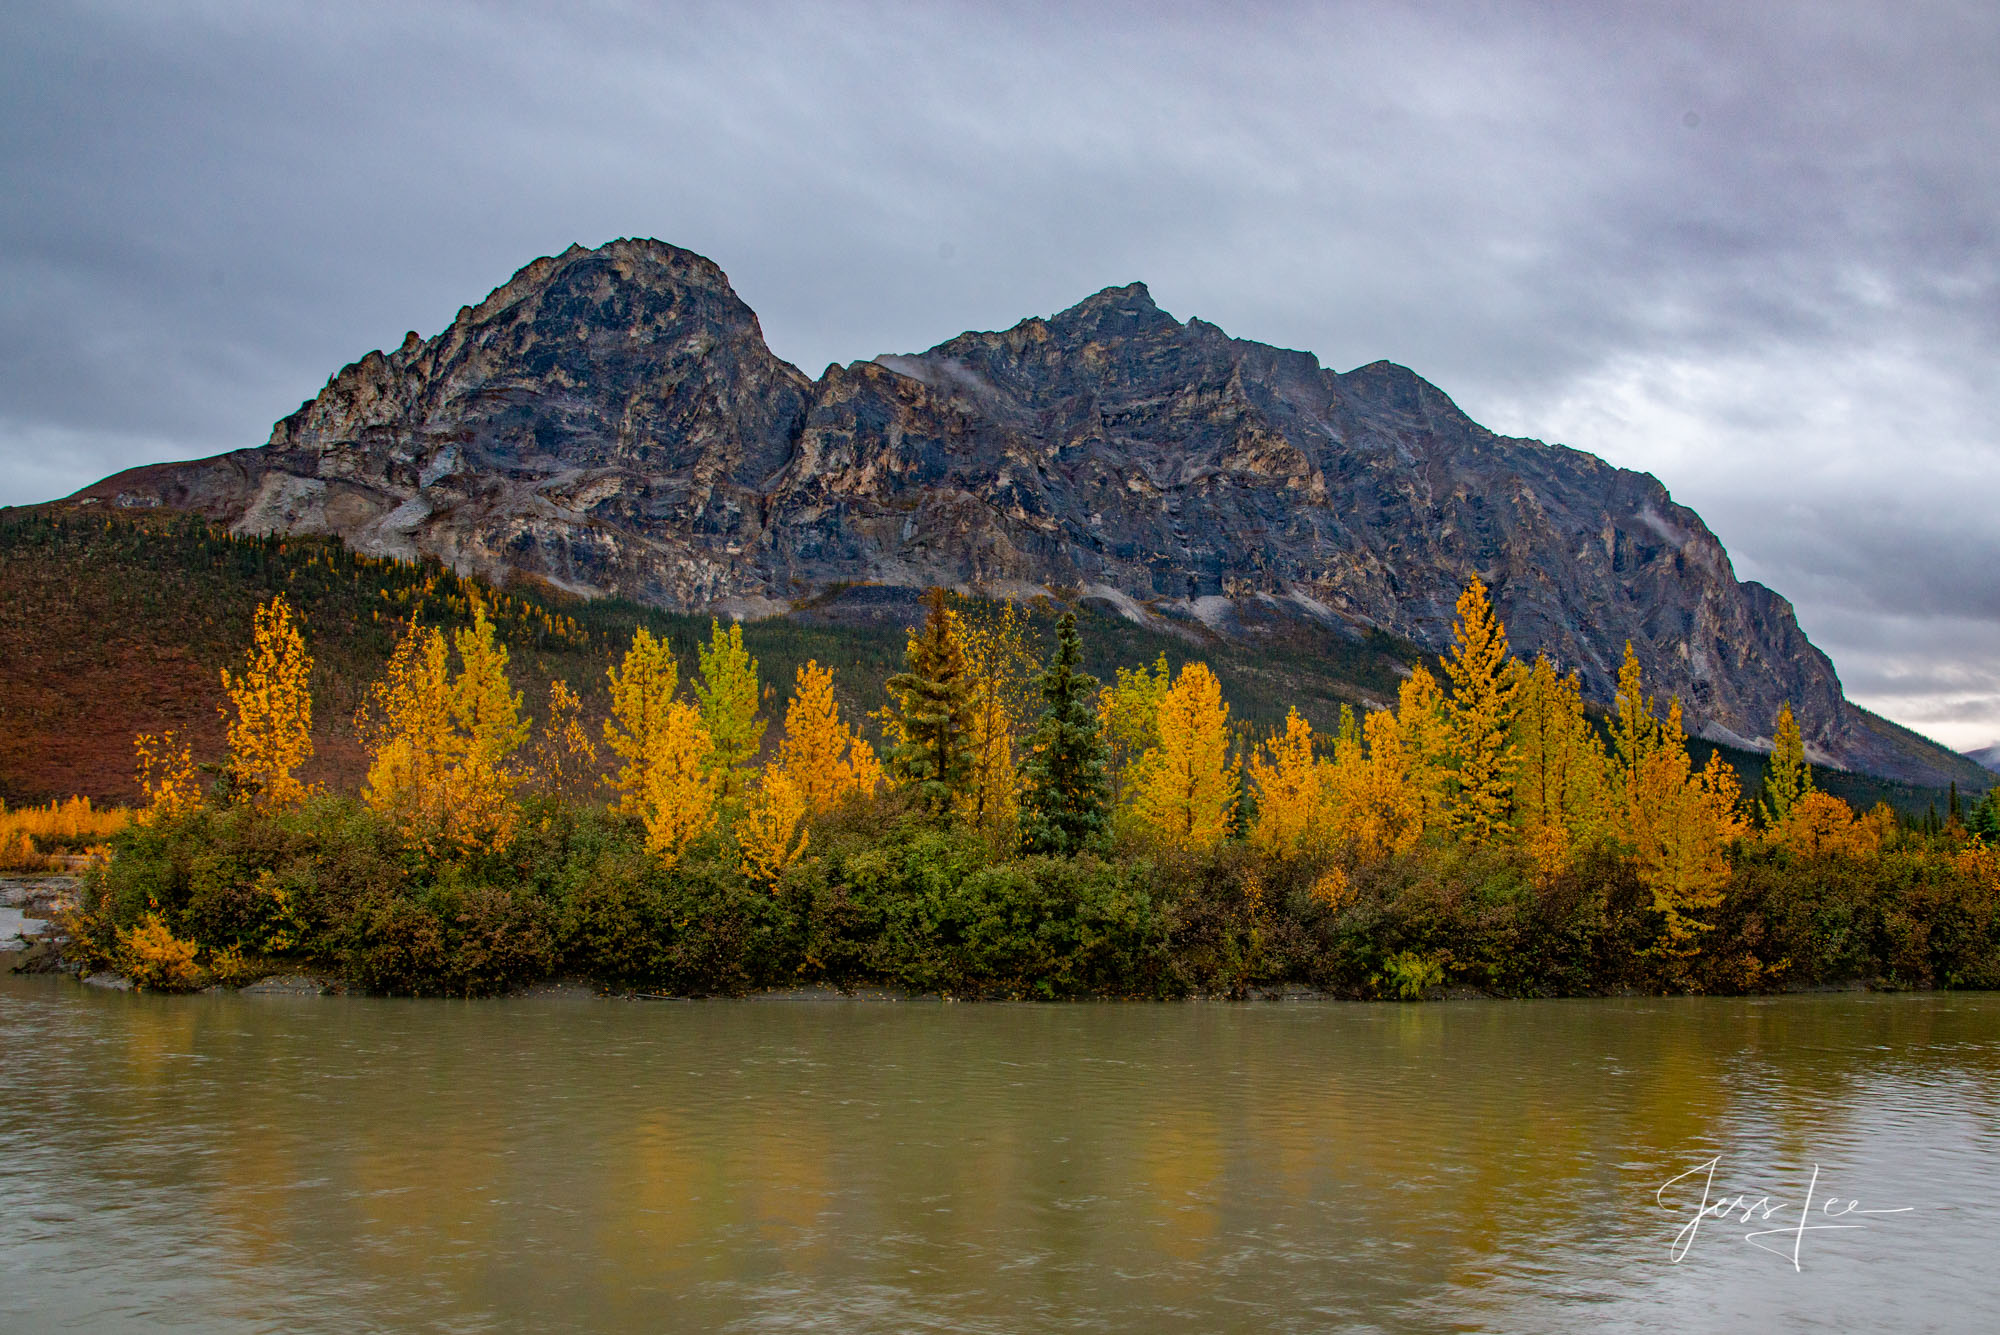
(823, 758)
(1187, 792)
(166, 775)
(270, 734)
(665, 779)
(1477, 719)
(1561, 794)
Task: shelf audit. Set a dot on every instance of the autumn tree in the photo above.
(1187, 793)
(932, 716)
(486, 710)
(441, 743)
(823, 757)
(1560, 784)
(270, 735)
(1128, 711)
(1000, 671)
(1423, 742)
(565, 760)
(1289, 782)
(1680, 822)
(665, 779)
(1787, 775)
(413, 745)
(727, 691)
(772, 834)
(1478, 716)
(166, 775)
(1063, 806)
(1375, 786)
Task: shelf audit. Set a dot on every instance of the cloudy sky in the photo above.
(1756, 256)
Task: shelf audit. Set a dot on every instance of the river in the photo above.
(268, 1163)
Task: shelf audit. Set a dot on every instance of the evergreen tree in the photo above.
(1063, 809)
(1787, 776)
(933, 718)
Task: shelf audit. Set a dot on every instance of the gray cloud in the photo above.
(1754, 253)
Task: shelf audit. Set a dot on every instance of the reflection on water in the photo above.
(302, 1164)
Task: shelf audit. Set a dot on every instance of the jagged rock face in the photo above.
(612, 421)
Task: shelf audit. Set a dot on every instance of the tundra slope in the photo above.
(612, 421)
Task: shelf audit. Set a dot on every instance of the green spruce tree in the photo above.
(933, 718)
(1063, 809)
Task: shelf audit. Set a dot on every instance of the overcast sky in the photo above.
(1749, 249)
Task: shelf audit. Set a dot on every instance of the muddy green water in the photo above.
(240, 1163)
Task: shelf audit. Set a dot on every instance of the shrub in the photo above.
(153, 957)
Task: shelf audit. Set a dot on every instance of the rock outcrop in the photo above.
(611, 421)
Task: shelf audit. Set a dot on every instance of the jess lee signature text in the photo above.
(1834, 1214)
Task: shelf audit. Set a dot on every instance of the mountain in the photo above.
(611, 421)
(1986, 757)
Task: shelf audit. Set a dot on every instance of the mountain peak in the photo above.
(1115, 312)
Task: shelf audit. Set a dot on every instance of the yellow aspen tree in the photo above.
(728, 693)
(565, 760)
(1560, 798)
(166, 774)
(1288, 788)
(1000, 667)
(1129, 711)
(1187, 793)
(822, 757)
(1423, 744)
(1374, 805)
(1477, 717)
(413, 745)
(677, 798)
(486, 711)
(1820, 825)
(772, 833)
(1635, 730)
(1682, 824)
(642, 696)
(270, 736)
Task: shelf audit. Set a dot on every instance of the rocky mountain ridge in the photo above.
(611, 421)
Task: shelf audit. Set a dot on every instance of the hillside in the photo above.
(115, 625)
(611, 422)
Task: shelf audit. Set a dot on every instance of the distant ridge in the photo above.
(610, 421)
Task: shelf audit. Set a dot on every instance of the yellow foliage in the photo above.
(1376, 804)
(1818, 824)
(565, 761)
(667, 779)
(1129, 710)
(270, 736)
(1681, 825)
(772, 833)
(440, 744)
(1000, 669)
(1187, 792)
(1561, 798)
(728, 693)
(1331, 888)
(66, 822)
(822, 757)
(677, 793)
(1478, 717)
(1288, 788)
(166, 776)
(152, 956)
(642, 694)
